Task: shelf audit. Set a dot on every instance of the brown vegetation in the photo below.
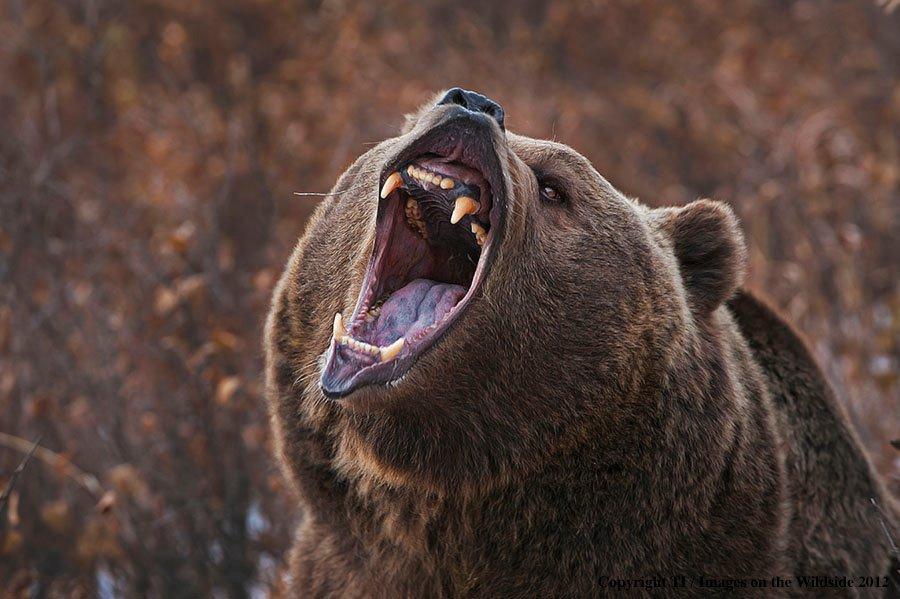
(149, 155)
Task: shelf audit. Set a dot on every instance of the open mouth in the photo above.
(434, 230)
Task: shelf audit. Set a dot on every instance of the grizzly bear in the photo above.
(490, 374)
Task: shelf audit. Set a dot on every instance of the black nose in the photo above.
(475, 102)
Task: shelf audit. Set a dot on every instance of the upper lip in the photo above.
(463, 136)
(467, 139)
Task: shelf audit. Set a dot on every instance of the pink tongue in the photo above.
(415, 307)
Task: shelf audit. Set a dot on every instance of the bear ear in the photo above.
(709, 247)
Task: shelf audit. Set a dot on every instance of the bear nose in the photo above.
(475, 102)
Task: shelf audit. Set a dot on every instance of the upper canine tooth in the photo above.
(447, 183)
(392, 183)
(338, 329)
(390, 352)
(464, 205)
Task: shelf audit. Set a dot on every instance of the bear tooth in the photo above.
(392, 183)
(479, 232)
(390, 352)
(464, 205)
(337, 329)
(447, 183)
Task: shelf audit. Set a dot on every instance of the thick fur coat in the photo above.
(611, 407)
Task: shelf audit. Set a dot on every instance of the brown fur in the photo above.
(599, 410)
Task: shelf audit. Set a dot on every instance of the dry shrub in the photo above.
(147, 163)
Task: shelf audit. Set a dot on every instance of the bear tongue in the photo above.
(412, 309)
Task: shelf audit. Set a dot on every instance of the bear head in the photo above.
(468, 302)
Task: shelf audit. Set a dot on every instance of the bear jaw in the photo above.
(441, 207)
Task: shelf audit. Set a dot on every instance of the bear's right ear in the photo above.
(710, 250)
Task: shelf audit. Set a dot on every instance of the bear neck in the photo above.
(707, 410)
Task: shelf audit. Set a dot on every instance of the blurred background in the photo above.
(149, 151)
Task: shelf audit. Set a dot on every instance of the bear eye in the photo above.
(551, 194)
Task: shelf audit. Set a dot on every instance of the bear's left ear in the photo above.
(709, 247)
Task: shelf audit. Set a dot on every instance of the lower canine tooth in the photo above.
(390, 352)
(392, 183)
(337, 329)
(464, 205)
